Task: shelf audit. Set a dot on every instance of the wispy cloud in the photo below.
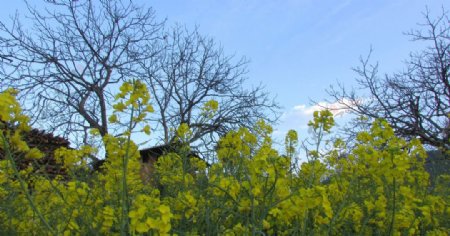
(297, 117)
(337, 108)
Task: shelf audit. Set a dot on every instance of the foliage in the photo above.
(380, 188)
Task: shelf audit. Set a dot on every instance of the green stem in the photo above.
(319, 140)
(391, 227)
(124, 224)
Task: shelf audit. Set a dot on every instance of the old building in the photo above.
(47, 143)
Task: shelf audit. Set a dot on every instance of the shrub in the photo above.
(379, 188)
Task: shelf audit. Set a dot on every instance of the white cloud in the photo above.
(297, 117)
(337, 108)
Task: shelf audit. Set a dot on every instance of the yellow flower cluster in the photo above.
(210, 108)
(148, 214)
(133, 100)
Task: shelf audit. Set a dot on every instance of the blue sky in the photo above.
(298, 48)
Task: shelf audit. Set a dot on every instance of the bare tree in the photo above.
(68, 59)
(416, 102)
(193, 70)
